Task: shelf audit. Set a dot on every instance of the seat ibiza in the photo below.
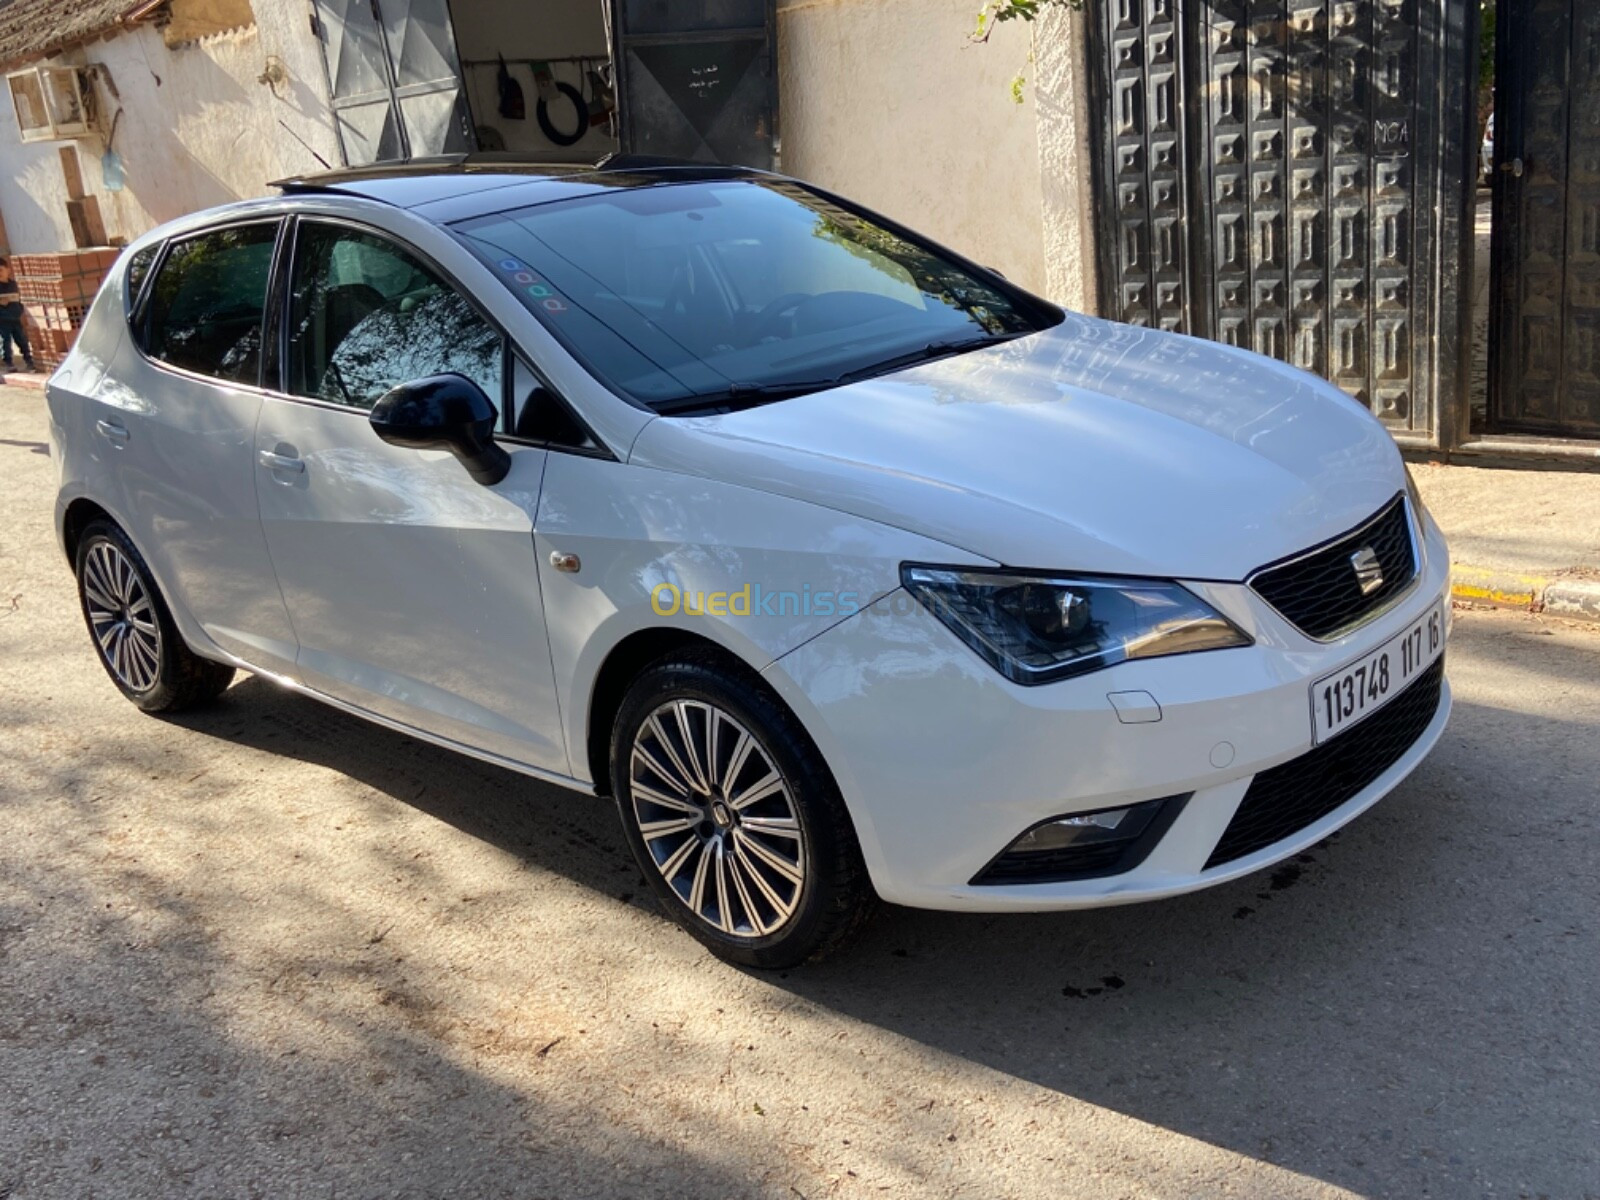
(847, 568)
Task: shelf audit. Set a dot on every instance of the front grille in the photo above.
(1283, 800)
(1320, 593)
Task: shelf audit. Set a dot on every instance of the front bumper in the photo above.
(943, 762)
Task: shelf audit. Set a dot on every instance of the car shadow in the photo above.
(1354, 1014)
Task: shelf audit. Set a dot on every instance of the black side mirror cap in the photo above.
(444, 412)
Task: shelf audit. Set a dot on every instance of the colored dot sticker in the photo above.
(510, 264)
(523, 277)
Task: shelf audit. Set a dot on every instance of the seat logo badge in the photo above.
(1369, 571)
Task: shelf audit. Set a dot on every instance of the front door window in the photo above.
(364, 316)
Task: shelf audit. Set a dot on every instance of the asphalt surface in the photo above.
(267, 950)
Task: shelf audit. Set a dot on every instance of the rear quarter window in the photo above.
(139, 264)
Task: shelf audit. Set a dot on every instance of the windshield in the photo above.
(708, 293)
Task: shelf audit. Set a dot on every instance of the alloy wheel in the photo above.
(122, 617)
(718, 819)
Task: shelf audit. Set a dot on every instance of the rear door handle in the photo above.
(281, 462)
(111, 430)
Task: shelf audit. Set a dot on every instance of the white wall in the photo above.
(1059, 88)
(890, 104)
(523, 30)
(197, 129)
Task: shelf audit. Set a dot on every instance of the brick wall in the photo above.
(56, 291)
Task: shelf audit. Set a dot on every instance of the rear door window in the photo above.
(366, 315)
(206, 302)
(139, 264)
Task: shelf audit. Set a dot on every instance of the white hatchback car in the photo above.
(845, 566)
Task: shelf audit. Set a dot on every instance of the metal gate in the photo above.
(1290, 176)
(698, 79)
(1545, 351)
(393, 78)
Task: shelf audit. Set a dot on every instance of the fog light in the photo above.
(1087, 845)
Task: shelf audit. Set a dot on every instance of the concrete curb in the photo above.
(1573, 597)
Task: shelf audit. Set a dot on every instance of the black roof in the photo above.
(429, 181)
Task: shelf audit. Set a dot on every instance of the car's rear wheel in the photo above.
(733, 817)
(133, 632)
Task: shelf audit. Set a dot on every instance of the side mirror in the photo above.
(444, 412)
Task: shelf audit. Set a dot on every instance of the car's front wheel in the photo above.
(133, 633)
(733, 817)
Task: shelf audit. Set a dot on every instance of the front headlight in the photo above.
(1037, 628)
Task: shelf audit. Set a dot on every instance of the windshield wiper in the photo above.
(742, 395)
(748, 395)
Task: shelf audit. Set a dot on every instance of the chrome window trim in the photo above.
(1413, 528)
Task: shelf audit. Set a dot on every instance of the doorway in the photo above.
(552, 80)
(1543, 160)
(538, 77)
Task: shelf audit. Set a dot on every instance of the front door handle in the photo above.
(281, 462)
(1513, 168)
(111, 430)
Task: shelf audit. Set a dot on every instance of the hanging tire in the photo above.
(733, 817)
(550, 131)
(133, 632)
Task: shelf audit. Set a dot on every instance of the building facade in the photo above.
(1294, 177)
(190, 103)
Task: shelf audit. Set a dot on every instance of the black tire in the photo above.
(835, 897)
(178, 678)
(547, 126)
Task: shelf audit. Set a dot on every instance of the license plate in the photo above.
(1359, 689)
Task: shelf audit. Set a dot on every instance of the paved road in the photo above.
(266, 950)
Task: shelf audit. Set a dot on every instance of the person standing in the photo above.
(11, 327)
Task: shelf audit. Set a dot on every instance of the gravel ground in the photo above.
(268, 950)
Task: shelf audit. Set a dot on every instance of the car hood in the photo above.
(1091, 446)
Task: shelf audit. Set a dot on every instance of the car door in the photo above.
(182, 403)
(413, 589)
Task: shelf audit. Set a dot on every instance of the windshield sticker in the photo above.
(540, 291)
(546, 298)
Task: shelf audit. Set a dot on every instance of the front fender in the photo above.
(754, 573)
